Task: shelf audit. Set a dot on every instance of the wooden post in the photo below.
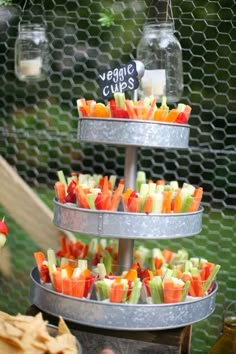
(27, 209)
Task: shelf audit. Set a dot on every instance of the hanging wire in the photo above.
(160, 10)
(169, 11)
(23, 10)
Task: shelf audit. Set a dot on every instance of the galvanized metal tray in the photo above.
(120, 316)
(126, 225)
(129, 132)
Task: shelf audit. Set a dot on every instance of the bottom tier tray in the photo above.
(119, 316)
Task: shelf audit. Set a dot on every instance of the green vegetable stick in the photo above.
(101, 270)
(156, 290)
(185, 290)
(51, 256)
(186, 204)
(211, 277)
(102, 289)
(91, 200)
(141, 178)
(135, 294)
(62, 178)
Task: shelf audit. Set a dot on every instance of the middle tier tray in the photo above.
(125, 225)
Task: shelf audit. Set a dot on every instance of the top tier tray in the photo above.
(129, 132)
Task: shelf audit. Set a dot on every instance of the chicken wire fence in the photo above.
(38, 130)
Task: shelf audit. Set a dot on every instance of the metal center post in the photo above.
(126, 246)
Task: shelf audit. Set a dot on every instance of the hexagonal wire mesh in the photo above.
(39, 124)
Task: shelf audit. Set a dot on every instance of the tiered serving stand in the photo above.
(127, 227)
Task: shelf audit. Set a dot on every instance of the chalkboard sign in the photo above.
(121, 79)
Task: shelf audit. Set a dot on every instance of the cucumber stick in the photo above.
(135, 294)
(156, 290)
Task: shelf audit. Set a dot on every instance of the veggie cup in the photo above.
(131, 204)
(78, 286)
(118, 290)
(167, 290)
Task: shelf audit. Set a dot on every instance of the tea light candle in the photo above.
(31, 67)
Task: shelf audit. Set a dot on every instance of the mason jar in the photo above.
(31, 53)
(161, 54)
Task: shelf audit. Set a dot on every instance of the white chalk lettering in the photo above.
(131, 83)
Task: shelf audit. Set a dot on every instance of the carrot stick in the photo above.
(105, 187)
(130, 109)
(63, 245)
(151, 110)
(167, 202)
(172, 115)
(197, 284)
(57, 283)
(66, 284)
(172, 291)
(81, 197)
(39, 259)
(117, 291)
(158, 263)
(167, 254)
(160, 182)
(198, 193)
(131, 274)
(60, 192)
(116, 198)
(78, 286)
(177, 203)
(133, 205)
(148, 204)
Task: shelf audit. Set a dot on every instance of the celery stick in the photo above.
(194, 271)
(135, 294)
(156, 290)
(151, 187)
(51, 256)
(211, 277)
(120, 99)
(76, 272)
(181, 107)
(62, 178)
(186, 204)
(188, 266)
(157, 202)
(179, 256)
(160, 188)
(124, 296)
(103, 243)
(102, 289)
(189, 187)
(112, 180)
(83, 264)
(185, 290)
(107, 260)
(174, 185)
(92, 247)
(168, 273)
(91, 200)
(143, 195)
(141, 178)
(101, 270)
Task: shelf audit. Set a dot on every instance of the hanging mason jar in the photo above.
(226, 343)
(161, 54)
(31, 53)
